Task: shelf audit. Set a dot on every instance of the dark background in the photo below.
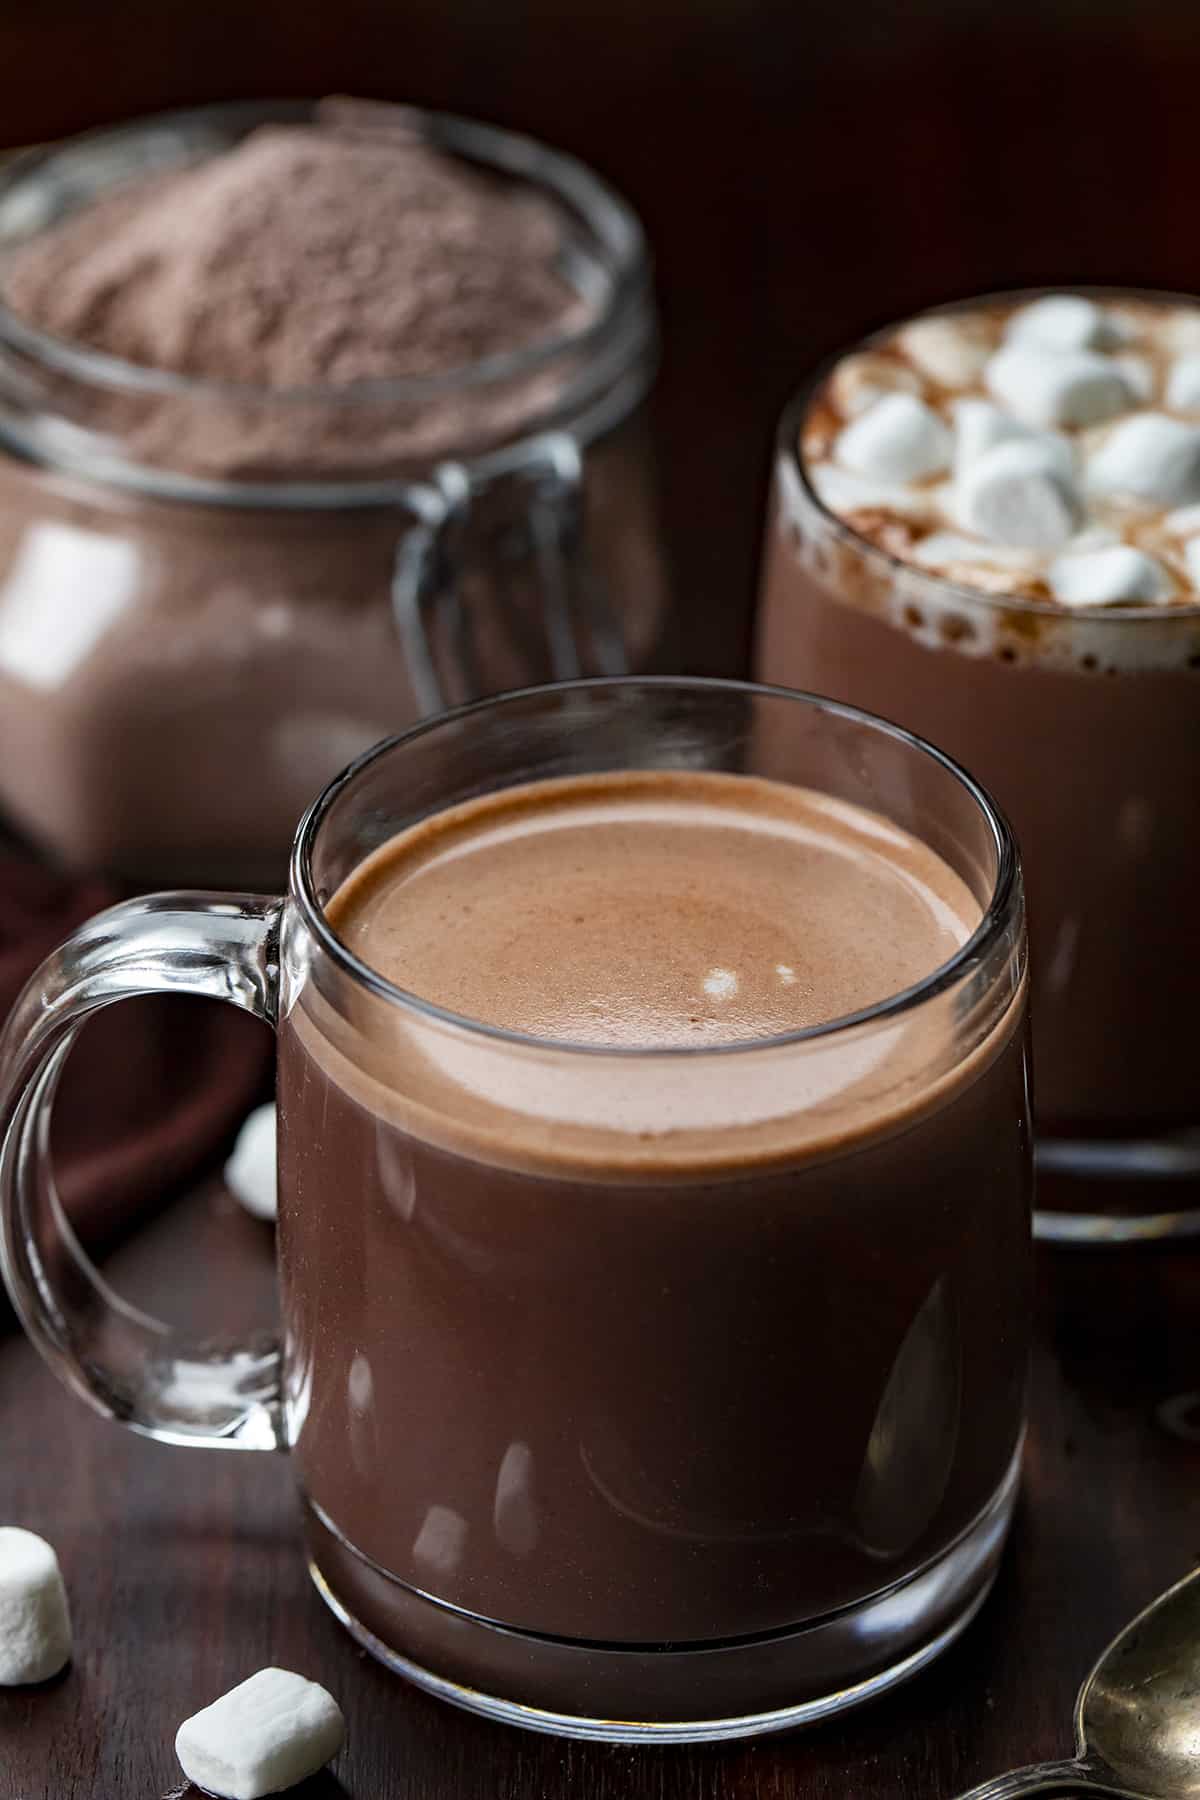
(805, 168)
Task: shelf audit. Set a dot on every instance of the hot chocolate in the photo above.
(694, 1348)
(985, 527)
(646, 910)
(654, 1329)
(312, 421)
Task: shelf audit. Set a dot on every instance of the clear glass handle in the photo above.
(124, 1363)
(578, 627)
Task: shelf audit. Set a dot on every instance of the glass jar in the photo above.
(189, 649)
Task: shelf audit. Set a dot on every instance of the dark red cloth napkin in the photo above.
(154, 1088)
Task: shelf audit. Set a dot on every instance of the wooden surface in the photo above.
(185, 1572)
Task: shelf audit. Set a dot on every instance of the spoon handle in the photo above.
(1043, 1778)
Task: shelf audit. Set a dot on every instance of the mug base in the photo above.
(1137, 1189)
(629, 1694)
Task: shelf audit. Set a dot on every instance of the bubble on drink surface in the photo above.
(720, 984)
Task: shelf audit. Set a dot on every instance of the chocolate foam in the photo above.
(648, 912)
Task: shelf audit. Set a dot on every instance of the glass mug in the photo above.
(696, 1454)
(1084, 724)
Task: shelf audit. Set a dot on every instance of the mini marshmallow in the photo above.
(1180, 330)
(1045, 388)
(1022, 493)
(35, 1623)
(859, 381)
(951, 351)
(897, 439)
(1062, 322)
(1151, 457)
(1183, 383)
(1191, 556)
(978, 425)
(942, 548)
(272, 1731)
(1093, 537)
(250, 1173)
(1184, 523)
(844, 493)
(1139, 374)
(1107, 577)
(940, 498)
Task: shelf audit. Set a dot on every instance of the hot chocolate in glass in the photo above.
(654, 1202)
(986, 525)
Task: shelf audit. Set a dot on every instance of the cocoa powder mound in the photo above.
(309, 255)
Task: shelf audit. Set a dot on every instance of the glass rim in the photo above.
(799, 403)
(514, 154)
(994, 920)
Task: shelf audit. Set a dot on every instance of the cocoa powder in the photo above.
(308, 255)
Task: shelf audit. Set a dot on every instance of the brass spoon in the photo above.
(1137, 1718)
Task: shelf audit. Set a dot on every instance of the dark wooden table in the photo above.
(186, 1574)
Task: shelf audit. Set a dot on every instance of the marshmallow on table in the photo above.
(1107, 577)
(272, 1731)
(1191, 556)
(1020, 492)
(950, 350)
(35, 1624)
(897, 439)
(250, 1173)
(1151, 457)
(1046, 388)
(1183, 383)
(1063, 322)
